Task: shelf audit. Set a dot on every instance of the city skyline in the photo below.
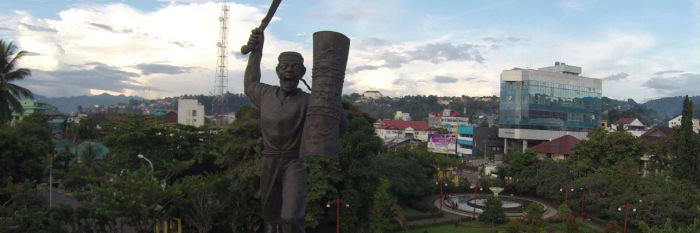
(640, 50)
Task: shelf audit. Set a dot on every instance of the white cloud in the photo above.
(120, 36)
(171, 51)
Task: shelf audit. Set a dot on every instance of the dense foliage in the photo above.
(493, 211)
(206, 177)
(606, 172)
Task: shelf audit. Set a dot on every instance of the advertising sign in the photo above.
(442, 143)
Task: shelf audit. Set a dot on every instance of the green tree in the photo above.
(324, 178)
(524, 166)
(10, 94)
(535, 213)
(571, 224)
(86, 130)
(381, 213)
(409, 179)
(564, 211)
(613, 227)
(686, 163)
(514, 226)
(240, 158)
(359, 149)
(493, 211)
(668, 227)
(200, 200)
(85, 167)
(603, 149)
(24, 148)
(136, 197)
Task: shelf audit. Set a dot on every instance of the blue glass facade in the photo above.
(546, 105)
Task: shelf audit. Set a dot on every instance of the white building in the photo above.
(632, 125)
(676, 122)
(372, 94)
(394, 129)
(190, 112)
(403, 116)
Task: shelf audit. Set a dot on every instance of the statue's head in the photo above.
(289, 70)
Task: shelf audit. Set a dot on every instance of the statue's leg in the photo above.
(294, 192)
(271, 192)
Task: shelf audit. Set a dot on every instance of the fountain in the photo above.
(475, 203)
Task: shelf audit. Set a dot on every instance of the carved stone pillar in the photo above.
(321, 134)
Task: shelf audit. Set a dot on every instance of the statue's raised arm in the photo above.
(252, 70)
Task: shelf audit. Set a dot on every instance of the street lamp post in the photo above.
(583, 203)
(565, 189)
(475, 187)
(147, 160)
(51, 181)
(626, 207)
(442, 197)
(337, 202)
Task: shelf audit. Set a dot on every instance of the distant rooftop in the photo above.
(396, 124)
(561, 145)
(560, 67)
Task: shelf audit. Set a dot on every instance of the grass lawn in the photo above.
(470, 227)
(479, 227)
(411, 213)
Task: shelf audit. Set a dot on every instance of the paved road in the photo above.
(59, 197)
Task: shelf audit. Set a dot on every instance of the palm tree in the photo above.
(11, 93)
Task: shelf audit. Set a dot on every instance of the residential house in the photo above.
(556, 149)
(632, 125)
(676, 122)
(656, 136)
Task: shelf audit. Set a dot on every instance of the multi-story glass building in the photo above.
(547, 103)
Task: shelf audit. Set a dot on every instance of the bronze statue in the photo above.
(282, 114)
(292, 120)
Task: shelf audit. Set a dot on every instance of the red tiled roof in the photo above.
(626, 120)
(561, 145)
(396, 124)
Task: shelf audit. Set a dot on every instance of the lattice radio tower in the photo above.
(221, 76)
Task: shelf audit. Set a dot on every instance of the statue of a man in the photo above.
(282, 115)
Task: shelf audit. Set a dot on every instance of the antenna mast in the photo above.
(221, 76)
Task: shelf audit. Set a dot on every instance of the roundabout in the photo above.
(472, 204)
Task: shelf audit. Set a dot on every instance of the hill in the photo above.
(669, 107)
(419, 106)
(70, 104)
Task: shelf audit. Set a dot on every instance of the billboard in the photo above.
(442, 143)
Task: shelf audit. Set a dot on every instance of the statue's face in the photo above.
(289, 72)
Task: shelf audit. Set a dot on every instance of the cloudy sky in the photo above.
(641, 49)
